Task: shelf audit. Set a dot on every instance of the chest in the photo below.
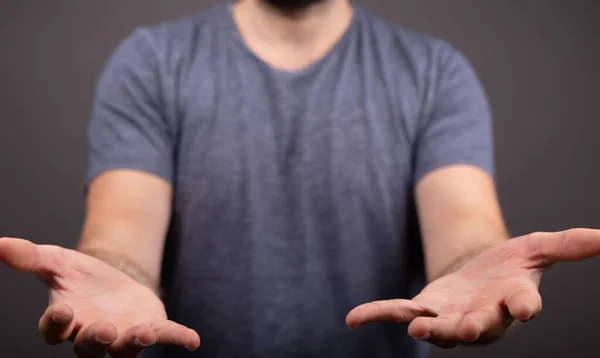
(347, 127)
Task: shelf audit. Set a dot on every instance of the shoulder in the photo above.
(432, 63)
(424, 53)
(183, 33)
(169, 43)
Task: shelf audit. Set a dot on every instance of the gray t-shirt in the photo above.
(293, 190)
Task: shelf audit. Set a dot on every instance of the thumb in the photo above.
(395, 311)
(25, 256)
(546, 249)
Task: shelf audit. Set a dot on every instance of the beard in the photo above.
(292, 5)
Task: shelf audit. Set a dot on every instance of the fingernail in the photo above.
(138, 343)
(58, 318)
(530, 318)
(191, 348)
(102, 341)
(424, 337)
(472, 338)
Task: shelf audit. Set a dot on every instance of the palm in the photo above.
(477, 302)
(454, 295)
(95, 305)
(482, 281)
(98, 292)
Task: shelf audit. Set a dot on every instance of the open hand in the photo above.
(478, 302)
(94, 305)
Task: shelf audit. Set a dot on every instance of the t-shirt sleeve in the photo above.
(457, 126)
(128, 127)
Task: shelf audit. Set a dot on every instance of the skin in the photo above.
(104, 297)
(93, 304)
(459, 216)
(475, 304)
(128, 210)
(480, 282)
(291, 40)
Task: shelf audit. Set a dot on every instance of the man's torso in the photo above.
(293, 191)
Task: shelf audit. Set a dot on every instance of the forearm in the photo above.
(127, 218)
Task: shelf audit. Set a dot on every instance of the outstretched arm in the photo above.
(126, 222)
(130, 163)
(455, 194)
(480, 282)
(96, 299)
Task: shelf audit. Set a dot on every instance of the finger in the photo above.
(524, 303)
(171, 333)
(440, 331)
(25, 256)
(57, 323)
(570, 245)
(396, 311)
(94, 340)
(486, 323)
(132, 341)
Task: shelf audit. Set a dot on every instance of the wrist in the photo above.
(123, 264)
(458, 262)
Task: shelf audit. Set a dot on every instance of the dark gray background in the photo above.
(538, 59)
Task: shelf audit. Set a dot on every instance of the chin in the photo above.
(293, 5)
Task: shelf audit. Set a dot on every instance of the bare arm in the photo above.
(459, 216)
(99, 308)
(130, 163)
(127, 218)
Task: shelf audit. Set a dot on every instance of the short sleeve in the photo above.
(457, 126)
(128, 128)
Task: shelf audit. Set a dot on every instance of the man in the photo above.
(270, 171)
